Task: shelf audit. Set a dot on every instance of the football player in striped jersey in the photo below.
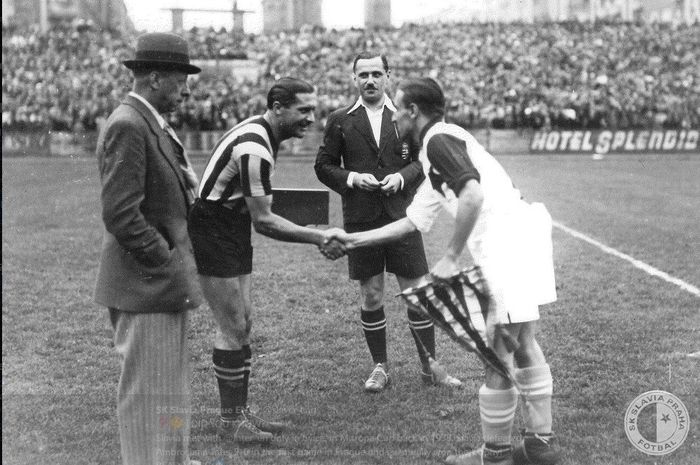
(235, 193)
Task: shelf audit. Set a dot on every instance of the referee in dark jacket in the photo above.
(362, 159)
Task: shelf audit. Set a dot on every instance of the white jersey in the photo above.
(511, 239)
(500, 196)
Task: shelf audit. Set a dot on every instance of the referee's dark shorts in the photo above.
(220, 238)
(404, 256)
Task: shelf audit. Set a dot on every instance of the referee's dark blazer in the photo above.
(348, 145)
(147, 263)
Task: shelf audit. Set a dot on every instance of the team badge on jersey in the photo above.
(404, 151)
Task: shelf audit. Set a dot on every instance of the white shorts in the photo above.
(515, 256)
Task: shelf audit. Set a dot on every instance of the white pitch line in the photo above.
(637, 263)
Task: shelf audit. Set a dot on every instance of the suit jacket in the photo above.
(147, 263)
(348, 141)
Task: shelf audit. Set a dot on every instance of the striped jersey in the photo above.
(241, 164)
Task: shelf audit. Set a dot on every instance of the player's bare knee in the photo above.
(529, 353)
(414, 313)
(494, 380)
(372, 298)
(372, 290)
(371, 304)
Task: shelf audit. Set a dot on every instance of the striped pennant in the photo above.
(459, 307)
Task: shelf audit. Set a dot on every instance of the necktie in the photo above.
(187, 170)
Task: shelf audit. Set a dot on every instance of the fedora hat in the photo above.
(161, 50)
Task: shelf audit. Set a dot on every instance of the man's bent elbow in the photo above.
(262, 225)
(473, 194)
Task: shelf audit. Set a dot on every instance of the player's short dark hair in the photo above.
(426, 94)
(285, 91)
(368, 55)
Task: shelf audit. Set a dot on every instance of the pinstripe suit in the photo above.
(153, 405)
(147, 280)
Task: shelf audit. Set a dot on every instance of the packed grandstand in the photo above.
(558, 75)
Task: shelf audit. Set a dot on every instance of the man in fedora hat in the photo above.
(147, 275)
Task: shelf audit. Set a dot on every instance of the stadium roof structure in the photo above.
(494, 11)
(177, 15)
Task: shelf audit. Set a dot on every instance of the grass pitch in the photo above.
(615, 332)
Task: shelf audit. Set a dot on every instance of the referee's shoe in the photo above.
(378, 380)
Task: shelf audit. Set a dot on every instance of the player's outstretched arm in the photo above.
(272, 225)
(469, 202)
(388, 233)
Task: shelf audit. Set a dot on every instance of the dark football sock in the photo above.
(229, 367)
(422, 328)
(248, 354)
(374, 327)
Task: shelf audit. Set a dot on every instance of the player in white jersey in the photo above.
(234, 194)
(510, 240)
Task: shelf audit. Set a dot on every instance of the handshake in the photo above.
(336, 243)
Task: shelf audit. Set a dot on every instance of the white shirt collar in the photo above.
(387, 103)
(159, 118)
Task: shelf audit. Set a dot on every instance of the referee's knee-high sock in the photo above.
(497, 410)
(248, 354)
(229, 367)
(536, 385)
(422, 328)
(374, 327)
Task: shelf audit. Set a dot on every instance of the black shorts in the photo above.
(221, 239)
(404, 257)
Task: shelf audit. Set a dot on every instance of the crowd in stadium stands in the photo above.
(561, 75)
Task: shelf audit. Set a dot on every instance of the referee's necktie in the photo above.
(187, 170)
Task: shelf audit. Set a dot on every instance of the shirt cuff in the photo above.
(422, 220)
(351, 179)
(402, 181)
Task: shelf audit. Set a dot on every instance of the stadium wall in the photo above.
(496, 141)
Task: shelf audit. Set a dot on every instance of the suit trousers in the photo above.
(153, 400)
